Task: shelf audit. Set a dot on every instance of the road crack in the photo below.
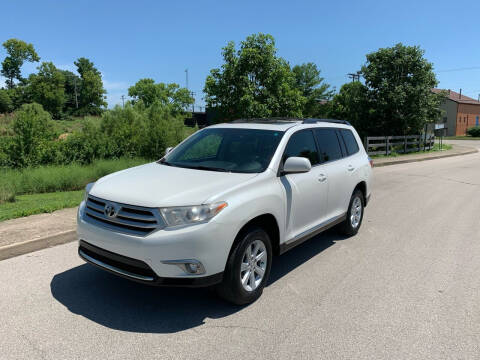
(33, 345)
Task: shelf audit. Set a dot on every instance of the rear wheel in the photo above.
(352, 223)
(248, 267)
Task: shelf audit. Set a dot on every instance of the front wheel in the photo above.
(248, 267)
(352, 223)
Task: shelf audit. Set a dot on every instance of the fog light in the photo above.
(190, 266)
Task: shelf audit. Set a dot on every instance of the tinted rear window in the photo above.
(329, 145)
(350, 141)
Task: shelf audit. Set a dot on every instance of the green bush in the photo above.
(161, 130)
(32, 127)
(133, 131)
(6, 104)
(474, 131)
(139, 131)
(82, 146)
(124, 129)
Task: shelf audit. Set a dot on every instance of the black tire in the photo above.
(346, 227)
(231, 288)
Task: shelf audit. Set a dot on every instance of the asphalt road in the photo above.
(406, 287)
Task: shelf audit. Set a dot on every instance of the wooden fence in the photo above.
(385, 145)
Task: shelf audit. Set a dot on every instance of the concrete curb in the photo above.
(406, 161)
(28, 246)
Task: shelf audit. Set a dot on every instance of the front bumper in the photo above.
(209, 243)
(137, 270)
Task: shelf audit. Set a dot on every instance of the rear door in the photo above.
(335, 167)
(306, 193)
(354, 159)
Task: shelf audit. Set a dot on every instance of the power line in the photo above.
(459, 69)
(354, 76)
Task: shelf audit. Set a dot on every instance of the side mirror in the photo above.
(168, 149)
(295, 165)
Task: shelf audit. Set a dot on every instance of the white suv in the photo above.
(216, 208)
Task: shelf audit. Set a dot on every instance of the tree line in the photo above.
(60, 92)
(395, 97)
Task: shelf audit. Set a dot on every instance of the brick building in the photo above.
(461, 113)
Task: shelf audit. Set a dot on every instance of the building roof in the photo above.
(457, 97)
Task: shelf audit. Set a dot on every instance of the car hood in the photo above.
(157, 185)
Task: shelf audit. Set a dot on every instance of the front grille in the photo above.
(129, 219)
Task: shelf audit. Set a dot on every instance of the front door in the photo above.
(306, 193)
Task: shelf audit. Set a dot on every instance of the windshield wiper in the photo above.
(202, 167)
(196, 167)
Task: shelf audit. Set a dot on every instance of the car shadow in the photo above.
(125, 305)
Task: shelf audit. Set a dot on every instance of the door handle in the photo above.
(350, 168)
(322, 178)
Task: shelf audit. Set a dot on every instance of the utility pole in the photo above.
(354, 76)
(186, 78)
(123, 100)
(193, 96)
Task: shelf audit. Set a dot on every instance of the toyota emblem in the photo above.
(110, 210)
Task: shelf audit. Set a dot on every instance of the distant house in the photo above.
(461, 112)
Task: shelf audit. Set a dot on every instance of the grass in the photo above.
(73, 124)
(68, 125)
(47, 179)
(464, 137)
(6, 121)
(436, 147)
(26, 205)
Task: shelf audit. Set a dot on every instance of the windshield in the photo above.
(226, 149)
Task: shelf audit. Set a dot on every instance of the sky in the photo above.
(129, 40)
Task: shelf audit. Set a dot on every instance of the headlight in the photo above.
(184, 215)
(87, 190)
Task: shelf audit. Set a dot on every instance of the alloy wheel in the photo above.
(253, 266)
(356, 212)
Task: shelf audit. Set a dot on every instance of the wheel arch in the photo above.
(362, 186)
(269, 223)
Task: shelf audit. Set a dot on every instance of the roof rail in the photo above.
(268, 120)
(314, 121)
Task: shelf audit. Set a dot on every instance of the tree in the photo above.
(312, 87)
(400, 81)
(84, 65)
(72, 86)
(47, 88)
(253, 82)
(91, 93)
(18, 52)
(172, 96)
(5, 101)
(352, 104)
